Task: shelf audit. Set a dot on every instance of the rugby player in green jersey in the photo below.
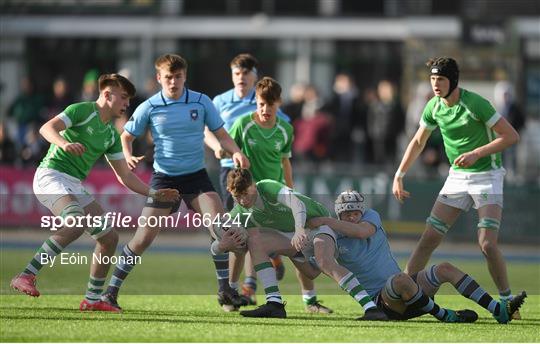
(275, 217)
(79, 136)
(266, 140)
(474, 135)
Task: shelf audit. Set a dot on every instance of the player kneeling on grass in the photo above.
(79, 136)
(275, 217)
(364, 250)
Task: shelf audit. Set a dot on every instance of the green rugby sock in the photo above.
(49, 249)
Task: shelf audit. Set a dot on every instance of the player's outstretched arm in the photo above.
(230, 146)
(132, 182)
(51, 132)
(287, 197)
(415, 147)
(362, 230)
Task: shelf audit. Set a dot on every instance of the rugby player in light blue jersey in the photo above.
(364, 250)
(275, 218)
(177, 118)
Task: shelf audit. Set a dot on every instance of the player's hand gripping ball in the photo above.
(238, 233)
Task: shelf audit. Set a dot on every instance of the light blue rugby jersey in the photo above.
(177, 127)
(370, 260)
(231, 107)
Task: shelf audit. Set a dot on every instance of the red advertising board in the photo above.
(20, 207)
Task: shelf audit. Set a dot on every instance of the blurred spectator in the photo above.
(433, 155)
(369, 97)
(505, 104)
(293, 107)
(311, 130)
(345, 107)
(27, 108)
(8, 153)
(385, 122)
(89, 92)
(33, 149)
(60, 99)
(422, 95)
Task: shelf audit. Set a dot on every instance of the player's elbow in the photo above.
(515, 138)
(127, 137)
(364, 231)
(43, 129)
(419, 144)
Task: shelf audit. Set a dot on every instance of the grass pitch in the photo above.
(185, 309)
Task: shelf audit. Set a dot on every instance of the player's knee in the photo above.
(326, 263)
(488, 247)
(401, 285)
(401, 280)
(110, 240)
(254, 237)
(445, 270)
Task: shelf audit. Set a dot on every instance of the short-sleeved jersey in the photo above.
(275, 214)
(177, 127)
(264, 147)
(464, 127)
(83, 125)
(370, 260)
(231, 107)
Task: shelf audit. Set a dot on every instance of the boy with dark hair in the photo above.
(474, 135)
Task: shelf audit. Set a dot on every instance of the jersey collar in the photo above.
(184, 98)
(249, 98)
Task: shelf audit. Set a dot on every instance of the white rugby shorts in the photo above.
(50, 185)
(465, 189)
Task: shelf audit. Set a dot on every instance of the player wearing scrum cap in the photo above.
(363, 249)
(275, 218)
(474, 135)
